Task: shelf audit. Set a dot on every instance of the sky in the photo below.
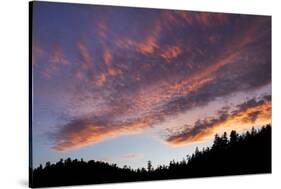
(127, 85)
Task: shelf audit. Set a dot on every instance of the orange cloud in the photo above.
(137, 100)
(110, 70)
(107, 57)
(210, 19)
(204, 19)
(145, 46)
(101, 79)
(86, 61)
(57, 56)
(168, 19)
(164, 91)
(85, 55)
(252, 112)
(171, 52)
(149, 44)
(101, 27)
(207, 73)
(85, 131)
(56, 59)
(37, 52)
(151, 96)
(91, 72)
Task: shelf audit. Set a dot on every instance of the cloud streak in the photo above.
(123, 157)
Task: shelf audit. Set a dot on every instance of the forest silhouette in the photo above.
(236, 154)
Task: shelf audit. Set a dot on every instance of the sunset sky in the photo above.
(128, 85)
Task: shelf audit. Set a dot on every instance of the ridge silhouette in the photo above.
(248, 153)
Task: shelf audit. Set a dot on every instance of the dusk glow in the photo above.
(128, 85)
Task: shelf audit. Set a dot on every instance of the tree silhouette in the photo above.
(233, 137)
(248, 153)
(149, 166)
(224, 139)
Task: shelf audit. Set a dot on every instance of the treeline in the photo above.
(248, 153)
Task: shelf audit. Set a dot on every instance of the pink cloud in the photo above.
(56, 59)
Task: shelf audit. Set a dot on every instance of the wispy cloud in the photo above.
(57, 58)
(85, 55)
(148, 44)
(84, 70)
(171, 52)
